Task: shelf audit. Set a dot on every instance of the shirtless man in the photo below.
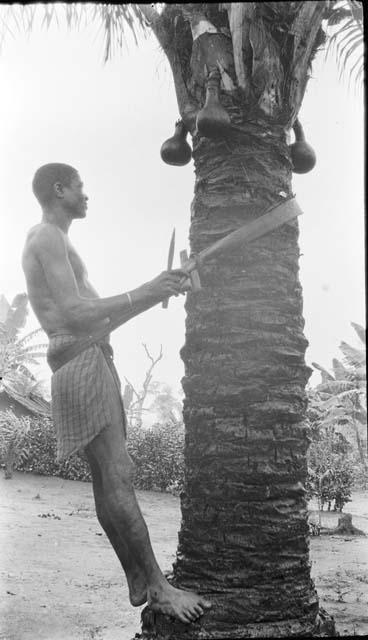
(86, 404)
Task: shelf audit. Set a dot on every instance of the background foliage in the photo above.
(157, 452)
(337, 413)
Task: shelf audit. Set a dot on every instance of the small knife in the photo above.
(170, 261)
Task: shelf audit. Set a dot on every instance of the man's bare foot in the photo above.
(137, 589)
(186, 606)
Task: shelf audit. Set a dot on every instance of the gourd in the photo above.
(176, 150)
(213, 121)
(303, 157)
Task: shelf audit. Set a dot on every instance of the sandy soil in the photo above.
(60, 580)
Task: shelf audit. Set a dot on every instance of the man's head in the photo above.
(59, 184)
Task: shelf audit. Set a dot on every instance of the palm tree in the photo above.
(243, 540)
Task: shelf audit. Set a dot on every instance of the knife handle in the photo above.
(194, 275)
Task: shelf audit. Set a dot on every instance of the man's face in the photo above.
(74, 199)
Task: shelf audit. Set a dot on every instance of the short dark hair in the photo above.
(47, 175)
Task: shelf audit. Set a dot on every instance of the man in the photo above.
(86, 400)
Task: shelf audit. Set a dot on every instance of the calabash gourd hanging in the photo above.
(213, 121)
(303, 157)
(176, 150)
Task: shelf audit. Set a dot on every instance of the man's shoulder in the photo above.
(44, 234)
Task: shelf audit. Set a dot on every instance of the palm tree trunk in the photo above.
(243, 541)
(244, 534)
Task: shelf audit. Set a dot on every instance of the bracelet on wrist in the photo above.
(130, 299)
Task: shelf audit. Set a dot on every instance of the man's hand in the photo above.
(170, 283)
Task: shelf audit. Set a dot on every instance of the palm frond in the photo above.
(112, 18)
(324, 373)
(336, 387)
(337, 14)
(26, 339)
(33, 351)
(347, 39)
(359, 375)
(360, 331)
(352, 356)
(340, 372)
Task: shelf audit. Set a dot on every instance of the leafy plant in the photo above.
(330, 466)
(158, 456)
(17, 354)
(341, 396)
(13, 440)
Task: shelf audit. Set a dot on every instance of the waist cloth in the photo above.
(85, 393)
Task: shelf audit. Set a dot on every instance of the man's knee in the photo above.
(119, 472)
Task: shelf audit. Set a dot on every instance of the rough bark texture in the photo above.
(244, 500)
(243, 541)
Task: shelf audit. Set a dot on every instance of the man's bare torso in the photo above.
(44, 306)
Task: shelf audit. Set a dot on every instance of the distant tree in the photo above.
(167, 406)
(133, 399)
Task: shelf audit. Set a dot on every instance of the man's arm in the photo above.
(50, 248)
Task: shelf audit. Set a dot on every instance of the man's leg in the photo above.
(135, 576)
(109, 454)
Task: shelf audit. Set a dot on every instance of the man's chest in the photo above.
(77, 265)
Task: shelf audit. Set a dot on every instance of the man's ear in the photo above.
(58, 189)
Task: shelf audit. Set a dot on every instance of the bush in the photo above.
(40, 455)
(158, 457)
(331, 468)
(157, 454)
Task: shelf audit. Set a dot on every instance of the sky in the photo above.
(61, 103)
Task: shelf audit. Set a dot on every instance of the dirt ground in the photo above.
(60, 580)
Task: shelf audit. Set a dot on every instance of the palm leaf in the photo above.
(33, 351)
(353, 357)
(359, 375)
(112, 18)
(348, 50)
(336, 387)
(324, 373)
(340, 372)
(337, 14)
(29, 336)
(342, 400)
(360, 331)
(347, 41)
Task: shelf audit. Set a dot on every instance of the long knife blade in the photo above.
(170, 261)
(275, 217)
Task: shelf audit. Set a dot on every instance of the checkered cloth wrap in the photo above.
(85, 394)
